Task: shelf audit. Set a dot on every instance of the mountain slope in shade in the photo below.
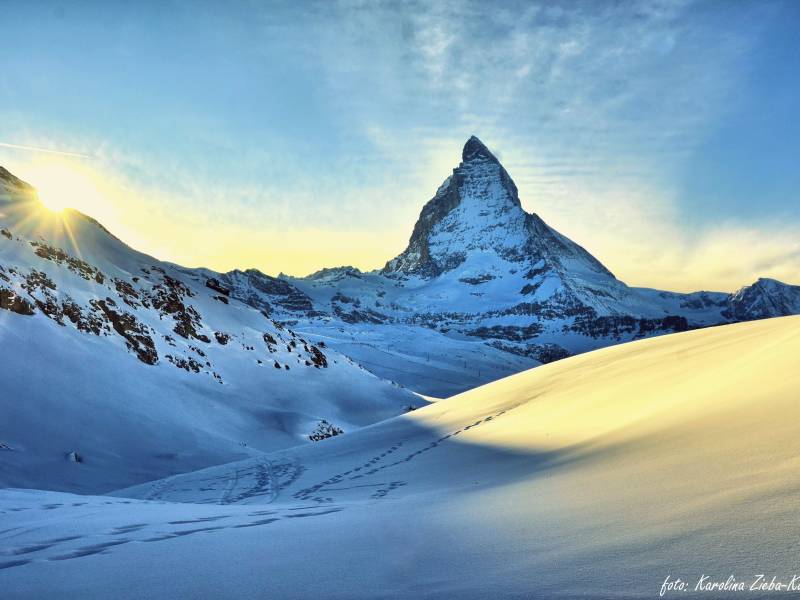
(485, 289)
(118, 368)
(596, 476)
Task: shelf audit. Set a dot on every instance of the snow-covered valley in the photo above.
(595, 476)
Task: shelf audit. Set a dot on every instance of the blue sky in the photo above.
(661, 135)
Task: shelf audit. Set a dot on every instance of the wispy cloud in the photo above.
(43, 150)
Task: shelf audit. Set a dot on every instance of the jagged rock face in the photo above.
(764, 299)
(476, 229)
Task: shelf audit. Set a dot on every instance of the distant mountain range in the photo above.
(145, 368)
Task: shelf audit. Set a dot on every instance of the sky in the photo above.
(663, 136)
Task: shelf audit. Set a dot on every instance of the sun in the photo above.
(61, 185)
(52, 204)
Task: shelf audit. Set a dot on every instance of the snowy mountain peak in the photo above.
(475, 227)
(477, 208)
(764, 299)
(474, 148)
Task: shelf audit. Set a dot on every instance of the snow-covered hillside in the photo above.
(594, 477)
(484, 290)
(139, 369)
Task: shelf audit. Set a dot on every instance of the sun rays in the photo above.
(65, 184)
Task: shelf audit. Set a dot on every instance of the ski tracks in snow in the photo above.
(258, 479)
(256, 483)
(324, 491)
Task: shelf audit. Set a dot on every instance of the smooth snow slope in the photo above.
(594, 477)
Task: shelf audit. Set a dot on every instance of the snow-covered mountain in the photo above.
(117, 368)
(154, 369)
(594, 477)
(764, 299)
(485, 289)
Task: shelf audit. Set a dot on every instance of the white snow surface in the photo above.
(592, 477)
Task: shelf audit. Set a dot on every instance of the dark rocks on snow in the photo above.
(73, 457)
(318, 358)
(188, 364)
(544, 353)
(168, 297)
(136, 334)
(507, 332)
(366, 315)
(9, 300)
(87, 322)
(477, 280)
(60, 257)
(38, 280)
(215, 285)
(127, 292)
(618, 327)
(325, 430)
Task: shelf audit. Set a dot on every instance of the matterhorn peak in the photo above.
(476, 214)
(474, 148)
